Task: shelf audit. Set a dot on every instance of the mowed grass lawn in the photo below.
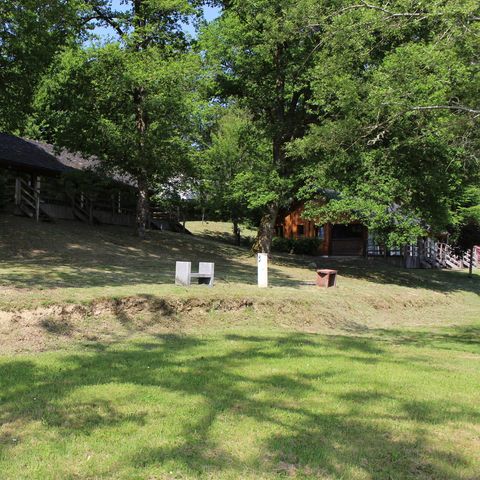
(377, 379)
(245, 405)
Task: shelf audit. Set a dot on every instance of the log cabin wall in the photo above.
(340, 239)
(292, 225)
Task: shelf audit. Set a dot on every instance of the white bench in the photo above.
(184, 275)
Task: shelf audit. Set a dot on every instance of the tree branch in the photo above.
(388, 12)
(460, 108)
(102, 15)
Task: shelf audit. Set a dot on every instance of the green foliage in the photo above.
(377, 100)
(470, 233)
(301, 246)
(31, 33)
(392, 89)
(390, 223)
(130, 101)
(466, 225)
(87, 104)
(236, 149)
(260, 53)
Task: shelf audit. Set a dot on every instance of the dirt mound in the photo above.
(105, 320)
(114, 319)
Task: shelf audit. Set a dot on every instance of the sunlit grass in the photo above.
(245, 404)
(131, 377)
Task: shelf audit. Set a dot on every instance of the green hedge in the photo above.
(302, 246)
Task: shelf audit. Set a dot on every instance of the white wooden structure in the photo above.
(432, 254)
(262, 265)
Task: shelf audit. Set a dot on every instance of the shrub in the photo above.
(281, 244)
(307, 246)
(301, 246)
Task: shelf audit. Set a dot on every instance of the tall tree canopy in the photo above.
(395, 91)
(234, 159)
(31, 33)
(262, 53)
(378, 100)
(128, 102)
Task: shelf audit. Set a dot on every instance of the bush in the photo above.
(307, 246)
(281, 244)
(301, 246)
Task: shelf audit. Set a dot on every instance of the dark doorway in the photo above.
(348, 239)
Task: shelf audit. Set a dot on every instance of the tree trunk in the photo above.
(263, 242)
(470, 265)
(236, 232)
(142, 207)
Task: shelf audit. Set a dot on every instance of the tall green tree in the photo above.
(31, 33)
(395, 91)
(226, 167)
(262, 52)
(388, 92)
(128, 102)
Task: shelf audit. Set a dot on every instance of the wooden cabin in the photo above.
(38, 182)
(41, 183)
(336, 239)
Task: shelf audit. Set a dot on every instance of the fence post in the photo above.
(37, 199)
(18, 191)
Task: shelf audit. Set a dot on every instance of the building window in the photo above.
(300, 230)
(321, 233)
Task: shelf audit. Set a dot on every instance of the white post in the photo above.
(262, 262)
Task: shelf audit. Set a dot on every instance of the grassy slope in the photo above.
(379, 378)
(218, 230)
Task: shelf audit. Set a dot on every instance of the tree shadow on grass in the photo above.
(380, 272)
(69, 254)
(461, 338)
(73, 255)
(336, 437)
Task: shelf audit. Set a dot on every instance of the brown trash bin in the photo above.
(327, 278)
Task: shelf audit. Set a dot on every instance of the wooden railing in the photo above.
(467, 256)
(430, 254)
(27, 199)
(441, 255)
(374, 250)
(82, 207)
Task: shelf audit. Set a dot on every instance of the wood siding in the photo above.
(291, 224)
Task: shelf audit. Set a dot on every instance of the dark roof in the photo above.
(69, 160)
(37, 157)
(28, 155)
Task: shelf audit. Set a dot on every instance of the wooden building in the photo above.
(353, 239)
(41, 183)
(336, 239)
(37, 182)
